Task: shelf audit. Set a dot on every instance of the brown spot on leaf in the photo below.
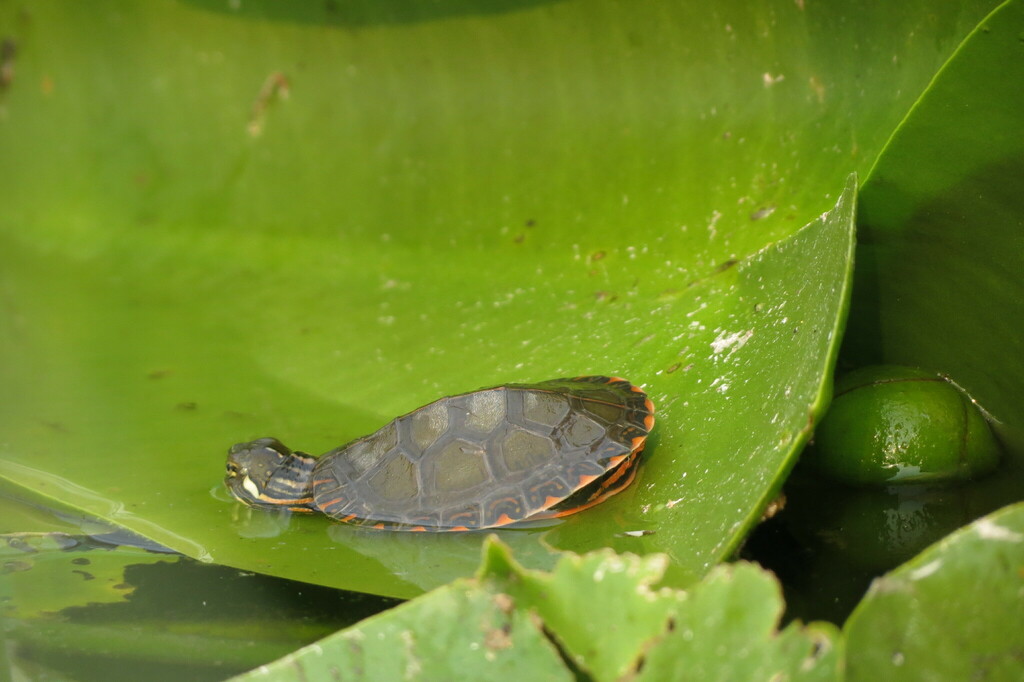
(504, 602)
(498, 638)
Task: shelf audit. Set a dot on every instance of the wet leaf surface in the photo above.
(256, 223)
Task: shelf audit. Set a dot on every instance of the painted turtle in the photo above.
(476, 460)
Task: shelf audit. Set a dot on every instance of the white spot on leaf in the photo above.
(731, 342)
(926, 570)
(990, 531)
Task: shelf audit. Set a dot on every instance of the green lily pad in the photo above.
(512, 621)
(223, 223)
(759, 318)
(953, 612)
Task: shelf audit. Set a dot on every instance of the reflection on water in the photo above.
(428, 559)
(253, 523)
(79, 496)
(831, 542)
(113, 606)
(259, 523)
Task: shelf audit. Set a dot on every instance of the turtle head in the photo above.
(267, 475)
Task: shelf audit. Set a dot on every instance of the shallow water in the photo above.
(81, 601)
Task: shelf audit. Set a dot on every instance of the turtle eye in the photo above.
(232, 469)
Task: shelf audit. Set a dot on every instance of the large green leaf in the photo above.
(952, 613)
(445, 199)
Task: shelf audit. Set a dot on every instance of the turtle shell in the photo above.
(490, 457)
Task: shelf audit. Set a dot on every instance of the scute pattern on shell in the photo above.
(486, 458)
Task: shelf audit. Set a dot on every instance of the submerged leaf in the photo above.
(45, 572)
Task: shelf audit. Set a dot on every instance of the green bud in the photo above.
(891, 425)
